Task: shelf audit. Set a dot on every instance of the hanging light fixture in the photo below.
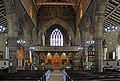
(2, 28)
(111, 28)
(21, 41)
(90, 42)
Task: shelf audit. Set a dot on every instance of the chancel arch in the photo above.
(52, 22)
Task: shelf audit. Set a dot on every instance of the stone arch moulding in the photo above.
(52, 22)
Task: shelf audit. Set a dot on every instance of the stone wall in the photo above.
(65, 13)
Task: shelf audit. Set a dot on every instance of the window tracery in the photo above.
(56, 38)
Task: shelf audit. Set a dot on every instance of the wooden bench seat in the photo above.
(84, 75)
(24, 75)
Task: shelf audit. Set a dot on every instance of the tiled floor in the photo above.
(56, 76)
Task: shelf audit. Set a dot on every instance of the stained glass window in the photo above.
(56, 38)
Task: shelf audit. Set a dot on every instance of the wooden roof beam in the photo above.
(117, 18)
(77, 4)
(111, 21)
(55, 3)
(35, 5)
(112, 11)
(74, 6)
(2, 15)
(114, 19)
(110, 4)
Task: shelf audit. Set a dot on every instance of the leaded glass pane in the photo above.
(56, 38)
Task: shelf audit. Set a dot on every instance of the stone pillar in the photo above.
(98, 54)
(27, 40)
(34, 56)
(85, 36)
(13, 57)
(34, 36)
(98, 33)
(77, 61)
(12, 24)
(38, 61)
(26, 37)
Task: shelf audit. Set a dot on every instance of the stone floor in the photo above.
(56, 76)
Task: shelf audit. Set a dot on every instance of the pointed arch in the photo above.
(56, 61)
(52, 22)
(56, 57)
(56, 38)
(64, 59)
(42, 57)
(49, 58)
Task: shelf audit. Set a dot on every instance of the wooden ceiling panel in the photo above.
(64, 1)
(112, 13)
(3, 21)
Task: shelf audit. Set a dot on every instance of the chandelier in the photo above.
(111, 29)
(21, 41)
(2, 29)
(90, 42)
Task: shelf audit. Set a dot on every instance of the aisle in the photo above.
(56, 76)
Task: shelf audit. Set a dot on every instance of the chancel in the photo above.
(59, 40)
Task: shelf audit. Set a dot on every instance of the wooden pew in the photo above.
(24, 75)
(84, 75)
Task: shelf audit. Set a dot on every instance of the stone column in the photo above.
(13, 56)
(98, 54)
(38, 60)
(12, 24)
(34, 36)
(85, 36)
(34, 56)
(26, 37)
(98, 33)
(27, 40)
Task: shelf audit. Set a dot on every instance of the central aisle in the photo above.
(56, 76)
